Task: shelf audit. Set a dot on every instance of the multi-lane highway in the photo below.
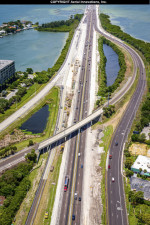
(116, 207)
(71, 206)
(116, 213)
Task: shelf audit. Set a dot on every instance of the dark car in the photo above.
(81, 165)
(116, 143)
(79, 198)
(73, 217)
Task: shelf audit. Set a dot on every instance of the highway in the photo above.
(116, 213)
(70, 206)
(116, 207)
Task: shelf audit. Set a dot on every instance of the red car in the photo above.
(110, 156)
(108, 166)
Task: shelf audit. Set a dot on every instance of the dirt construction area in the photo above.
(139, 149)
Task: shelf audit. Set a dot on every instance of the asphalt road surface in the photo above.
(116, 208)
(71, 206)
(116, 213)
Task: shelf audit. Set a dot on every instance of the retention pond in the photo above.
(112, 65)
(37, 122)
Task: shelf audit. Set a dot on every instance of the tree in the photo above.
(29, 70)
(142, 138)
(128, 162)
(129, 173)
(136, 197)
(31, 156)
(135, 137)
(108, 111)
(30, 143)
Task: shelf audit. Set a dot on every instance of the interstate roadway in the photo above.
(116, 213)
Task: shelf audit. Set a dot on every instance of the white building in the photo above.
(2, 32)
(7, 70)
(142, 162)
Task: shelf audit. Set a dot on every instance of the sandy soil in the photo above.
(16, 137)
(92, 204)
(139, 149)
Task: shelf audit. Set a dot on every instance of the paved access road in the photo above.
(116, 208)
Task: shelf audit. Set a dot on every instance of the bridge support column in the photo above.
(48, 148)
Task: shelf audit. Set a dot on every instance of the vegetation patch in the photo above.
(14, 185)
(52, 99)
(48, 197)
(61, 26)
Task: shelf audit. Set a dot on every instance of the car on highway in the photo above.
(82, 166)
(75, 196)
(113, 179)
(108, 166)
(73, 217)
(110, 156)
(80, 199)
(46, 215)
(79, 154)
(116, 143)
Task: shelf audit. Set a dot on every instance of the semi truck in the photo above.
(66, 183)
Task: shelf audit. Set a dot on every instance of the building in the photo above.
(2, 32)
(142, 162)
(7, 70)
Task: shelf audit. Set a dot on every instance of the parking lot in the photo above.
(141, 185)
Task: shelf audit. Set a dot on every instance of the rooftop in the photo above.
(142, 162)
(4, 63)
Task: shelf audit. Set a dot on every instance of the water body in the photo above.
(112, 65)
(38, 50)
(32, 49)
(133, 19)
(37, 122)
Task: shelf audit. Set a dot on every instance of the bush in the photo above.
(129, 173)
(31, 156)
(30, 143)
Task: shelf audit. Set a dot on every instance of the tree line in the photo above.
(142, 46)
(62, 25)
